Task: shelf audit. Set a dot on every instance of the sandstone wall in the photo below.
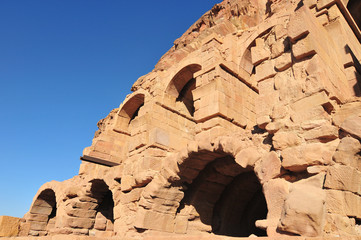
(249, 125)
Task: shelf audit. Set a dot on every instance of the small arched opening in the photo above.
(104, 218)
(220, 196)
(181, 87)
(43, 213)
(129, 112)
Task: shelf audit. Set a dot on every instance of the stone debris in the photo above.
(249, 126)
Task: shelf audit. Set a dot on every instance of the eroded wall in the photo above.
(250, 124)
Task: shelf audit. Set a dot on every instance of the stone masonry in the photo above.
(250, 125)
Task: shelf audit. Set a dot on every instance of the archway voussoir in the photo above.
(248, 157)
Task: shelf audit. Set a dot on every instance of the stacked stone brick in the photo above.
(249, 125)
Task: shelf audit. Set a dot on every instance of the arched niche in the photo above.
(128, 112)
(182, 85)
(43, 213)
(262, 29)
(246, 59)
(104, 217)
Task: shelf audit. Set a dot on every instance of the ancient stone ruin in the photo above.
(250, 125)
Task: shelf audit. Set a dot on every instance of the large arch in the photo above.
(201, 181)
(224, 198)
(43, 211)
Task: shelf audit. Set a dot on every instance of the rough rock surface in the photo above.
(248, 126)
(9, 226)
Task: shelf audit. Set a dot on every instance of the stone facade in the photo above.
(249, 125)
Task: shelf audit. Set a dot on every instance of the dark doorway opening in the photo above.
(226, 199)
(241, 204)
(100, 191)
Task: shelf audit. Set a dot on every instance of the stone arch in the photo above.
(129, 111)
(262, 29)
(104, 217)
(182, 84)
(42, 214)
(246, 60)
(220, 196)
(197, 184)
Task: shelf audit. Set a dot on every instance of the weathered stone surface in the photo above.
(248, 157)
(45, 210)
(100, 222)
(340, 225)
(84, 205)
(276, 192)
(343, 203)
(251, 119)
(38, 226)
(265, 70)
(352, 125)
(283, 62)
(268, 167)
(345, 178)
(9, 226)
(304, 211)
(346, 111)
(304, 48)
(259, 54)
(82, 213)
(156, 221)
(347, 152)
(283, 140)
(38, 217)
(85, 223)
(300, 157)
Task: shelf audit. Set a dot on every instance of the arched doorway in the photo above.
(220, 196)
(104, 218)
(241, 204)
(43, 214)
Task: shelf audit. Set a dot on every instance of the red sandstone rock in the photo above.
(304, 211)
(248, 126)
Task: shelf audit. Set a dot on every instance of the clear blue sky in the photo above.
(64, 64)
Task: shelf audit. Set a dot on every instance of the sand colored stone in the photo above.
(248, 126)
(9, 226)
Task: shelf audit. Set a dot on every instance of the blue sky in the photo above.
(64, 65)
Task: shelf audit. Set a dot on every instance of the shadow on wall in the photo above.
(104, 219)
(181, 87)
(226, 197)
(354, 7)
(357, 73)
